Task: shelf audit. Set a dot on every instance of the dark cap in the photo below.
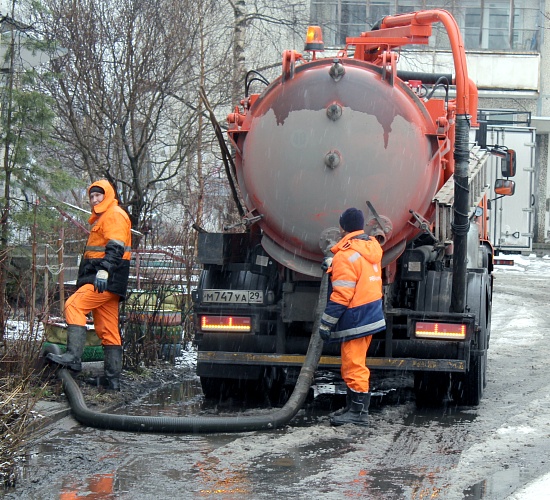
(96, 189)
(352, 220)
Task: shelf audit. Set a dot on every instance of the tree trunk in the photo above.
(239, 70)
(4, 220)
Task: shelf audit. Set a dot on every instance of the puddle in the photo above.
(447, 416)
(401, 483)
(297, 462)
(499, 485)
(174, 400)
(96, 487)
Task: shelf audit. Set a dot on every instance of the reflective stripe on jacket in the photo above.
(354, 308)
(109, 244)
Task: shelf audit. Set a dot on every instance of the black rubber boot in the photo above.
(345, 408)
(112, 366)
(76, 340)
(358, 412)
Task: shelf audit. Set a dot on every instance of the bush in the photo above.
(20, 388)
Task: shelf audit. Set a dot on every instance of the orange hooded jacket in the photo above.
(109, 244)
(354, 308)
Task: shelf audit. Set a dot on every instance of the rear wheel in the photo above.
(271, 387)
(467, 388)
(211, 387)
(242, 390)
(275, 386)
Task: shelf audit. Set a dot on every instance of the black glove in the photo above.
(327, 262)
(324, 332)
(100, 283)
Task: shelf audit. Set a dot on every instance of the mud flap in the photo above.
(431, 388)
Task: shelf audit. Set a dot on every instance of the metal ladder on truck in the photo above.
(478, 188)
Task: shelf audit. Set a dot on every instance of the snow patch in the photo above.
(537, 490)
(515, 430)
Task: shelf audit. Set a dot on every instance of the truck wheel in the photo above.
(467, 388)
(274, 384)
(430, 388)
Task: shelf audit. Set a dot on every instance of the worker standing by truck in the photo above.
(354, 310)
(102, 282)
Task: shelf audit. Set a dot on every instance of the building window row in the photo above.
(509, 25)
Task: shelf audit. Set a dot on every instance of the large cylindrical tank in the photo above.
(318, 144)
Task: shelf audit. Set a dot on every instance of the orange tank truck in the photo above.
(354, 130)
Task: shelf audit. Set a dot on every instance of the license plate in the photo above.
(233, 296)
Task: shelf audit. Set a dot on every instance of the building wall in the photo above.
(543, 110)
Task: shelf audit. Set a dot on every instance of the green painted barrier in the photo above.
(91, 352)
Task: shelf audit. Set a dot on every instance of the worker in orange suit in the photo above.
(354, 310)
(101, 284)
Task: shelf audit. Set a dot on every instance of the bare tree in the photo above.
(261, 31)
(126, 89)
(115, 87)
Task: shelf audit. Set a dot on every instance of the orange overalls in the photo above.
(108, 248)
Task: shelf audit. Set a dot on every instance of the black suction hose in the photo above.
(461, 219)
(207, 424)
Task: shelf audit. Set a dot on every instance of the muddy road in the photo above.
(493, 451)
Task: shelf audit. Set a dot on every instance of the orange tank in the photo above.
(336, 134)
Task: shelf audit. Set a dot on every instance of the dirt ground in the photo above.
(133, 384)
(497, 450)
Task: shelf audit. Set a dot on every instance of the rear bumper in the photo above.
(215, 359)
(392, 349)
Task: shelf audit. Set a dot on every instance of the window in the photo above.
(472, 28)
(525, 29)
(353, 19)
(491, 25)
(496, 32)
(485, 24)
(404, 6)
(499, 24)
(376, 12)
(325, 14)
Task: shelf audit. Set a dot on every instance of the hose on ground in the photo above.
(136, 423)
